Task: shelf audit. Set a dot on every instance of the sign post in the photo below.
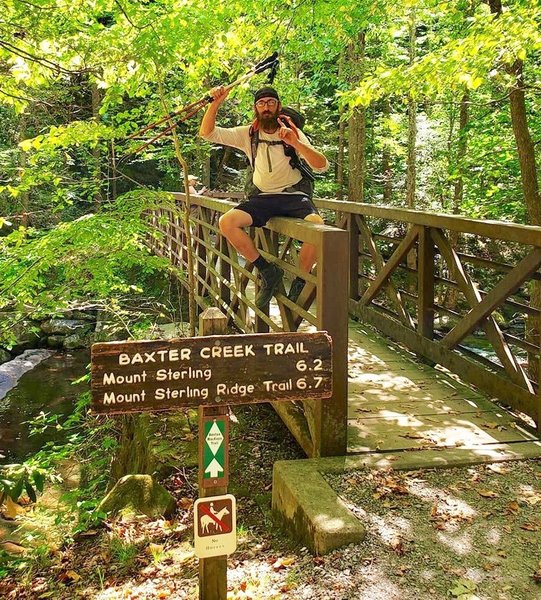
(212, 372)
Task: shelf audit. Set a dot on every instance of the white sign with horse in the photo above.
(215, 526)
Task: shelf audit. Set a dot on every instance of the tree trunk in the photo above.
(341, 141)
(386, 161)
(133, 455)
(357, 128)
(412, 125)
(530, 186)
(96, 153)
(23, 158)
(458, 192)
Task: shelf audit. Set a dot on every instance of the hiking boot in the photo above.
(271, 277)
(297, 285)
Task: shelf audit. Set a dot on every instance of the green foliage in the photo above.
(25, 478)
(99, 257)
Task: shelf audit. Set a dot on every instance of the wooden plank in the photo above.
(379, 404)
(403, 432)
(500, 230)
(491, 383)
(507, 286)
(384, 274)
(493, 332)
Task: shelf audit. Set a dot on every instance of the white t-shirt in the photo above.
(272, 171)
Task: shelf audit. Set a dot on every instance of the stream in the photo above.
(45, 387)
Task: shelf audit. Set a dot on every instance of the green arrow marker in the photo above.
(214, 450)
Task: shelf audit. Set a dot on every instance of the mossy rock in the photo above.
(139, 494)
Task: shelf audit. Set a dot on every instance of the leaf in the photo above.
(39, 479)
(30, 491)
(531, 526)
(463, 589)
(186, 503)
(495, 468)
(12, 509)
(512, 508)
(487, 493)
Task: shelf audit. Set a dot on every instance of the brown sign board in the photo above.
(208, 371)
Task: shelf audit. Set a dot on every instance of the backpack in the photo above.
(306, 184)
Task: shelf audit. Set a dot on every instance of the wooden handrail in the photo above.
(224, 280)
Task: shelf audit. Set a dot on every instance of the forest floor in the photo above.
(462, 533)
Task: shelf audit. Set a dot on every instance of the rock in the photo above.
(55, 341)
(77, 340)
(4, 356)
(141, 494)
(65, 326)
(83, 313)
(109, 331)
(27, 336)
(11, 372)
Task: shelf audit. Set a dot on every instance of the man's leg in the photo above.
(307, 259)
(231, 226)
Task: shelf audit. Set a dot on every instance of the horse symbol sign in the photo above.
(215, 525)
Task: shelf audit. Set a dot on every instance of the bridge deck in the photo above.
(397, 403)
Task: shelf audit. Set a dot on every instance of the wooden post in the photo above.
(353, 229)
(212, 571)
(330, 435)
(425, 270)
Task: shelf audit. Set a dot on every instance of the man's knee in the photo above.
(224, 223)
(232, 220)
(314, 218)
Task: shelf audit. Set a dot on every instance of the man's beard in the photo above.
(268, 120)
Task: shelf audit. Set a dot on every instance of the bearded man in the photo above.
(277, 186)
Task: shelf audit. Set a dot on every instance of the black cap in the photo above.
(266, 92)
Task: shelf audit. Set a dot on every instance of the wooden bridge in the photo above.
(419, 279)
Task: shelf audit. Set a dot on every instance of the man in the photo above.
(277, 186)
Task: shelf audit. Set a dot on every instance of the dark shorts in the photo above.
(262, 208)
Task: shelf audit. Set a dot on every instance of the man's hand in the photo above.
(208, 122)
(288, 132)
(219, 94)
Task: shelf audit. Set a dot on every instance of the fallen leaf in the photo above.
(11, 509)
(531, 497)
(531, 526)
(537, 575)
(402, 570)
(496, 468)
(398, 546)
(12, 548)
(186, 503)
(281, 563)
(458, 571)
(512, 508)
(487, 493)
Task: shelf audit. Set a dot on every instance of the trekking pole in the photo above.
(270, 62)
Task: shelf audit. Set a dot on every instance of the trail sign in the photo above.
(213, 448)
(210, 371)
(215, 526)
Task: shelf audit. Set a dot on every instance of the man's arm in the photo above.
(208, 122)
(312, 156)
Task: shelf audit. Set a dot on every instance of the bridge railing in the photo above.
(463, 293)
(225, 280)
